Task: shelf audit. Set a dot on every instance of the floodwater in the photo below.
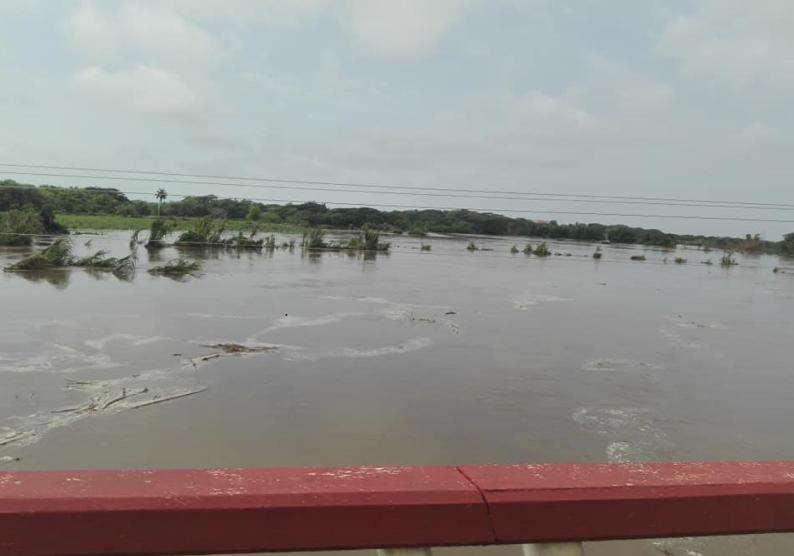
(440, 357)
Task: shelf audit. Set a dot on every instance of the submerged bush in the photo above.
(203, 231)
(158, 231)
(541, 250)
(314, 239)
(597, 254)
(527, 249)
(57, 255)
(177, 268)
(472, 247)
(680, 260)
(514, 249)
(367, 240)
(425, 247)
(638, 257)
(727, 259)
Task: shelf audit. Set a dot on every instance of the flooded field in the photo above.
(446, 356)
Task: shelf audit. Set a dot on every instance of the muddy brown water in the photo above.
(440, 357)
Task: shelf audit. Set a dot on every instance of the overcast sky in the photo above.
(654, 97)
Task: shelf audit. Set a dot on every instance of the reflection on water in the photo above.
(58, 277)
(444, 357)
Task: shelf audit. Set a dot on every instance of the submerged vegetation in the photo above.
(527, 249)
(425, 247)
(541, 250)
(314, 239)
(680, 260)
(514, 249)
(177, 268)
(472, 247)
(727, 260)
(597, 254)
(59, 255)
(638, 257)
(366, 240)
(204, 231)
(158, 231)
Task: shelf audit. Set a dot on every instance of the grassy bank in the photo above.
(99, 222)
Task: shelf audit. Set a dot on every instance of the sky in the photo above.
(662, 98)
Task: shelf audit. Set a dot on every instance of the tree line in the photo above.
(50, 200)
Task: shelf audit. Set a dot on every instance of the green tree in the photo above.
(254, 213)
(161, 196)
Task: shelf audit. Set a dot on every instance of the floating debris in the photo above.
(232, 349)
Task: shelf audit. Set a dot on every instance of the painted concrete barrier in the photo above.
(149, 512)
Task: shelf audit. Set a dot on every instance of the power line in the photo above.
(411, 194)
(393, 186)
(478, 210)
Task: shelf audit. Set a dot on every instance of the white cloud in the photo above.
(400, 27)
(745, 45)
(20, 7)
(755, 135)
(280, 13)
(148, 29)
(143, 89)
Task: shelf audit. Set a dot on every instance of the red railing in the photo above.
(273, 510)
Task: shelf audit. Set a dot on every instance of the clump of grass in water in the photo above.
(19, 227)
(367, 240)
(597, 254)
(314, 239)
(270, 242)
(527, 249)
(158, 231)
(514, 249)
(708, 262)
(472, 247)
(638, 257)
(241, 241)
(177, 268)
(680, 260)
(542, 251)
(727, 260)
(425, 247)
(203, 231)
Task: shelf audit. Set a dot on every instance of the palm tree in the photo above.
(161, 196)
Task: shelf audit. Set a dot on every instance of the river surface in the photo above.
(413, 357)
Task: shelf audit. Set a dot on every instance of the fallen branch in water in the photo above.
(123, 396)
(168, 398)
(230, 349)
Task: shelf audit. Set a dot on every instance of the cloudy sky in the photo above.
(663, 98)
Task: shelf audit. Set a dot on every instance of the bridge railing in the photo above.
(550, 509)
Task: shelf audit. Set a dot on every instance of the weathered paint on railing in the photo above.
(271, 510)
